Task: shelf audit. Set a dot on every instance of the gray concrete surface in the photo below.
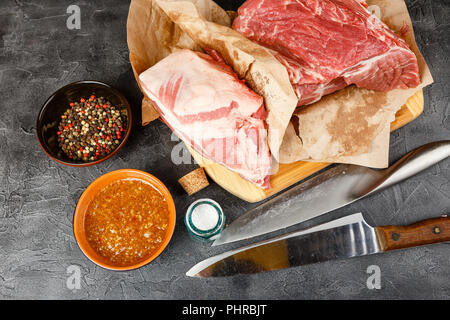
(38, 55)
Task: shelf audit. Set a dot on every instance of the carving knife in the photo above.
(329, 190)
(346, 237)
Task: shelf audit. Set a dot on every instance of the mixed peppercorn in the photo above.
(91, 129)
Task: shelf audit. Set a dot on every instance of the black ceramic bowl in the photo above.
(55, 106)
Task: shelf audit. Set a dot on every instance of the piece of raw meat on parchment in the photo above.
(203, 101)
(327, 45)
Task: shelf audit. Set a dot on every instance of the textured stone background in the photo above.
(38, 55)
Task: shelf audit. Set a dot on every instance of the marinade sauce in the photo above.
(127, 222)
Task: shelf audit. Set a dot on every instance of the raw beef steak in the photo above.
(329, 44)
(202, 100)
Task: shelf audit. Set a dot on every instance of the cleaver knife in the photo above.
(346, 237)
(329, 190)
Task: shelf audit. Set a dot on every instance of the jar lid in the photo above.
(205, 218)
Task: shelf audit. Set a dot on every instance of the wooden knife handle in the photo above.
(417, 234)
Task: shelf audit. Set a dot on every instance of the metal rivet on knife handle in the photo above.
(346, 237)
(394, 237)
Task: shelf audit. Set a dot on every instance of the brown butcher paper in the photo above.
(351, 125)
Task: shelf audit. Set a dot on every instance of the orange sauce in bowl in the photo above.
(127, 221)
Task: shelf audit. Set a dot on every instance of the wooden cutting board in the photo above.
(289, 174)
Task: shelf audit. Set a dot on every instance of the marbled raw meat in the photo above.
(329, 44)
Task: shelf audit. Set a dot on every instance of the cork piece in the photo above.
(194, 181)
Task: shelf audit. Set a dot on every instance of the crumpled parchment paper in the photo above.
(349, 126)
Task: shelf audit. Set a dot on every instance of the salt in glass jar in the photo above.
(204, 220)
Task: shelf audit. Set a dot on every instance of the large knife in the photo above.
(330, 190)
(346, 237)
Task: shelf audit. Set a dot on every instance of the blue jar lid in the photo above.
(204, 219)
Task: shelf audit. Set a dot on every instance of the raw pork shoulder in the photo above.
(202, 100)
(329, 44)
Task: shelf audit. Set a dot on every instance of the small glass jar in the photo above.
(204, 220)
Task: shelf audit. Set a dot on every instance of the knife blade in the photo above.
(329, 190)
(347, 237)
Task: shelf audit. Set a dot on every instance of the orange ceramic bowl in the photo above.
(89, 194)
